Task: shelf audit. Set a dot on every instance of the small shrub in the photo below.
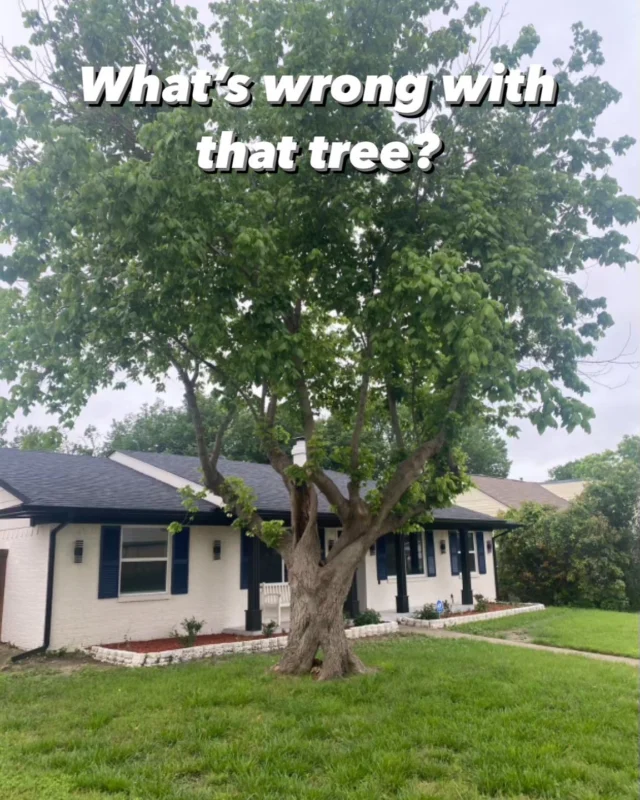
(269, 628)
(482, 604)
(191, 628)
(368, 617)
(428, 611)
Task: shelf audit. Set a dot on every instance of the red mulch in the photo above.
(157, 645)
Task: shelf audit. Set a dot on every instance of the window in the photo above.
(272, 569)
(413, 554)
(143, 566)
(471, 550)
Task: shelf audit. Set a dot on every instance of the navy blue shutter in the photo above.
(109, 574)
(431, 555)
(245, 555)
(381, 558)
(482, 561)
(323, 543)
(180, 563)
(453, 552)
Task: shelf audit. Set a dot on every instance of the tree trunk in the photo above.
(317, 623)
(318, 593)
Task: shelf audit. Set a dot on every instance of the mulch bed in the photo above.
(157, 645)
(492, 607)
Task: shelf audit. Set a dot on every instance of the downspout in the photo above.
(48, 610)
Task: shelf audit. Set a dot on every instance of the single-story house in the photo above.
(85, 556)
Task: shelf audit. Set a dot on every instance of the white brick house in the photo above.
(88, 560)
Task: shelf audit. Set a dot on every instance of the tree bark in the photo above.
(317, 623)
(318, 593)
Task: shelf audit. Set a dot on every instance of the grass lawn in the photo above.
(440, 719)
(577, 628)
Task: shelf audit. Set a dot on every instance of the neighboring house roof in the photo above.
(513, 493)
(49, 483)
(272, 495)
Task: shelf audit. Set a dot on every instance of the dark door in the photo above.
(3, 572)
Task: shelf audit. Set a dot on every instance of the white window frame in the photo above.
(166, 559)
(423, 574)
(471, 550)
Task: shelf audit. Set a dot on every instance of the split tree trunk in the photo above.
(318, 594)
(317, 623)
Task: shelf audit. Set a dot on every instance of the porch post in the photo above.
(467, 593)
(402, 599)
(253, 614)
(351, 604)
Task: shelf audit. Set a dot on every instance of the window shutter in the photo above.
(245, 555)
(180, 562)
(381, 558)
(453, 552)
(323, 543)
(431, 555)
(480, 555)
(109, 575)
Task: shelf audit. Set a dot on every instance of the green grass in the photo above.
(440, 719)
(598, 631)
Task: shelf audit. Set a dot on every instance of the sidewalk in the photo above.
(449, 634)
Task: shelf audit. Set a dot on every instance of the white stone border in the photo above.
(127, 658)
(447, 622)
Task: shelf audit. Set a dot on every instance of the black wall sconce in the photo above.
(443, 546)
(372, 550)
(78, 550)
(217, 549)
(489, 545)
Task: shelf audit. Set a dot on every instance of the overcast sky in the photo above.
(614, 396)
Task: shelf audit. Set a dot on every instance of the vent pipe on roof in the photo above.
(299, 452)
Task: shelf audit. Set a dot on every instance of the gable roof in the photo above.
(271, 493)
(513, 493)
(56, 480)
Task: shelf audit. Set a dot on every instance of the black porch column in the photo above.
(351, 604)
(494, 556)
(402, 599)
(467, 594)
(253, 615)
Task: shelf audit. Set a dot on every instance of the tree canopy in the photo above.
(432, 300)
(598, 466)
(166, 429)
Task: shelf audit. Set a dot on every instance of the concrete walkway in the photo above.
(449, 634)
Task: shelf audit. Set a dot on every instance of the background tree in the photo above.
(590, 553)
(436, 299)
(598, 466)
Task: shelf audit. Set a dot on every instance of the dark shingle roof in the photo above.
(59, 481)
(514, 493)
(72, 481)
(267, 484)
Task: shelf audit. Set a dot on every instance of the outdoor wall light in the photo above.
(78, 550)
(489, 546)
(217, 549)
(372, 550)
(443, 546)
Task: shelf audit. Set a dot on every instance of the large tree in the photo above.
(168, 429)
(435, 299)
